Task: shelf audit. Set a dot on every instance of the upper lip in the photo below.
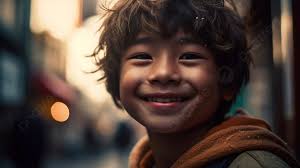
(165, 95)
(184, 92)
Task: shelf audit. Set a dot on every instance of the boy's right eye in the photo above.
(141, 56)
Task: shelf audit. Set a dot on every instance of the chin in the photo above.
(164, 127)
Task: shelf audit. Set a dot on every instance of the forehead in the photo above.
(179, 37)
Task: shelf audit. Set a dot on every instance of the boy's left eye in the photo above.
(191, 56)
(141, 56)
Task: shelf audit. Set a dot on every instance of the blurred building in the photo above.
(61, 40)
(52, 57)
(14, 67)
(34, 39)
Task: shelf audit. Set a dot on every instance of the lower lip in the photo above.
(165, 108)
(158, 104)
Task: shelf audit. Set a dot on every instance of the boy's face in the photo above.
(169, 85)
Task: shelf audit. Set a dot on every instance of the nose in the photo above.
(165, 71)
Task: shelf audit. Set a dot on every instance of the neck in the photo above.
(168, 147)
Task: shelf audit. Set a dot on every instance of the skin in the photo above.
(156, 70)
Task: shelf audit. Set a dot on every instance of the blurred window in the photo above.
(7, 13)
(12, 84)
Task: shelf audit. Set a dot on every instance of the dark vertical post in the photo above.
(278, 84)
(296, 73)
(24, 35)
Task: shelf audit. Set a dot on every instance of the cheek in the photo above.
(205, 78)
(126, 82)
(130, 79)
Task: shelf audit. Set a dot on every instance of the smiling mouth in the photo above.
(165, 99)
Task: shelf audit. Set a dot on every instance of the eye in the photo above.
(191, 56)
(140, 59)
(141, 56)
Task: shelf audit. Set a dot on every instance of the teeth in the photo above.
(164, 100)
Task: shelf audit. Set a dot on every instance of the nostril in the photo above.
(173, 78)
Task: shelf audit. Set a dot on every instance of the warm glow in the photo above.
(82, 43)
(58, 17)
(286, 34)
(60, 112)
(287, 55)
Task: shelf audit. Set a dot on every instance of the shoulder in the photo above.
(258, 159)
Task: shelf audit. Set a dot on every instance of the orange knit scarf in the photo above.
(235, 135)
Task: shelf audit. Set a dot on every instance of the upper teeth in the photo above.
(164, 100)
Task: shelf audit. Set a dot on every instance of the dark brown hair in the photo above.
(219, 28)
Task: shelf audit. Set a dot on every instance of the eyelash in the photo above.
(141, 56)
(194, 56)
(145, 56)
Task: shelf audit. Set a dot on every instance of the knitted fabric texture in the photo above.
(233, 136)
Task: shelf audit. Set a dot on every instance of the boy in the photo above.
(164, 63)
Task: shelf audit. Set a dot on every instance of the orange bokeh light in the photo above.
(60, 112)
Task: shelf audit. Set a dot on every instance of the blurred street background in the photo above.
(54, 113)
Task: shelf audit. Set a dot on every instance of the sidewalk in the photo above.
(109, 159)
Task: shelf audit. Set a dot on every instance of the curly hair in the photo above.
(208, 21)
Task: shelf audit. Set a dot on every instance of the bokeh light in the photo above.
(60, 112)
